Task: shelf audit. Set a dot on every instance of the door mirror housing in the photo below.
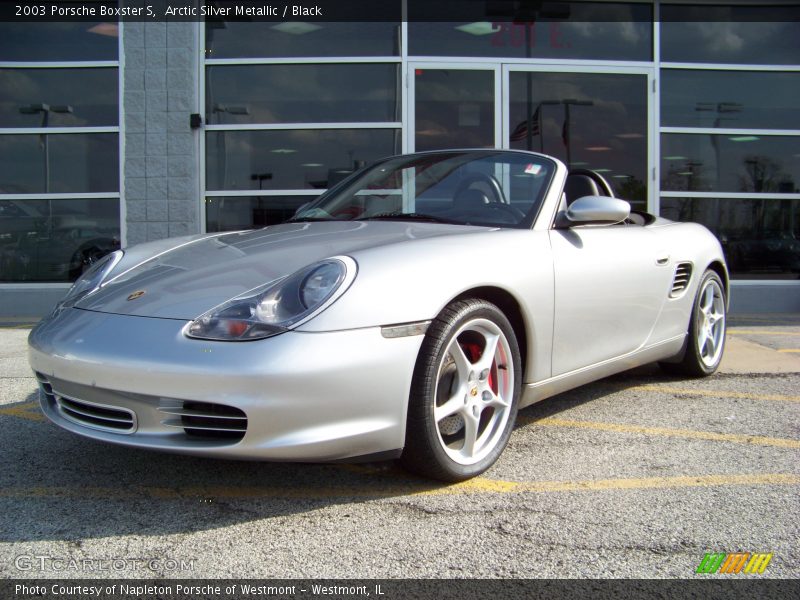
(595, 210)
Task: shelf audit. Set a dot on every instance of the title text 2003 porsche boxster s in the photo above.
(408, 312)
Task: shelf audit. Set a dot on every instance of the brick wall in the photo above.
(161, 179)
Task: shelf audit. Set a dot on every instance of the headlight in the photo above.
(278, 306)
(91, 280)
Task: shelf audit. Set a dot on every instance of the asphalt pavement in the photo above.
(636, 476)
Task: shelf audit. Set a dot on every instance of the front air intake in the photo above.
(683, 273)
(206, 419)
(114, 419)
(46, 387)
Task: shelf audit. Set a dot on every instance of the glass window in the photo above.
(292, 159)
(84, 40)
(55, 240)
(240, 212)
(730, 163)
(730, 34)
(302, 93)
(760, 237)
(58, 97)
(454, 109)
(233, 39)
(588, 120)
(731, 99)
(595, 30)
(59, 163)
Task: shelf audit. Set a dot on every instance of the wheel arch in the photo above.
(510, 307)
(719, 268)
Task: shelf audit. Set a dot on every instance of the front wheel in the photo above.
(464, 393)
(706, 341)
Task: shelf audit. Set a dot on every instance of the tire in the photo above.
(464, 399)
(705, 344)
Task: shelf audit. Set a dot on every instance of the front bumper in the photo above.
(304, 396)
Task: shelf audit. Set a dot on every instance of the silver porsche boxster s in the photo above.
(408, 312)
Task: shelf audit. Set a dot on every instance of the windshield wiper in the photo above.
(401, 216)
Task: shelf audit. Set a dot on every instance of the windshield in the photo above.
(485, 187)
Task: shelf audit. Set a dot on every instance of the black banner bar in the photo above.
(733, 588)
(389, 11)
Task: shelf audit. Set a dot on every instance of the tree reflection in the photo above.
(764, 174)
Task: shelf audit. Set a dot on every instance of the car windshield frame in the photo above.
(487, 187)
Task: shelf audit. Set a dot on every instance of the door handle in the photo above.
(662, 260)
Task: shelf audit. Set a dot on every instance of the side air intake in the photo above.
(683, 273)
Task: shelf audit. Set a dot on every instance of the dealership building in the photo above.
(114, 133)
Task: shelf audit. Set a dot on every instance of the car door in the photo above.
(610, 285)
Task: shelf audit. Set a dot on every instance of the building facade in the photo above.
(113, 134)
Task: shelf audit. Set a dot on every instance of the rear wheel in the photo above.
(706, 342)
(464, 393)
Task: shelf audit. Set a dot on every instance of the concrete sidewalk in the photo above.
(747, 356)
(754, 344)
(762, 344)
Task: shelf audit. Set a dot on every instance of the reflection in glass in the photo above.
(239, 212)
(595, 30)
(229, 39)
(41, 41)
(292, 159)
(730, 163)
(760, 237)
(588, 120)
(454, 109)
(55, 240)
(730, 34)
(731, 99)
(58, 97)
(59, 163)
(302, 93)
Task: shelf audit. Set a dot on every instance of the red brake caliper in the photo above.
(473, 352)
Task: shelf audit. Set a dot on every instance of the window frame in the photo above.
(660, 129)
(206, 193)
(118, 129)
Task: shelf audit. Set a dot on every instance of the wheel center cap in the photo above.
(473, 392)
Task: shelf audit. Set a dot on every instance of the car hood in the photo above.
(197, 275)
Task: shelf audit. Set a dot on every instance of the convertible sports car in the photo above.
(408, 312)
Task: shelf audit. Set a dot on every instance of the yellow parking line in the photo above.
(737, 438)
(487, 485)
(760, 332)
(378, 489)
(789, 350)
(26, 410)
(712, 393)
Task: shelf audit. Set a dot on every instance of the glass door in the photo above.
(590, 118)
(599, 118)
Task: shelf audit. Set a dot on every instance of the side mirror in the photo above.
(596, 209)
